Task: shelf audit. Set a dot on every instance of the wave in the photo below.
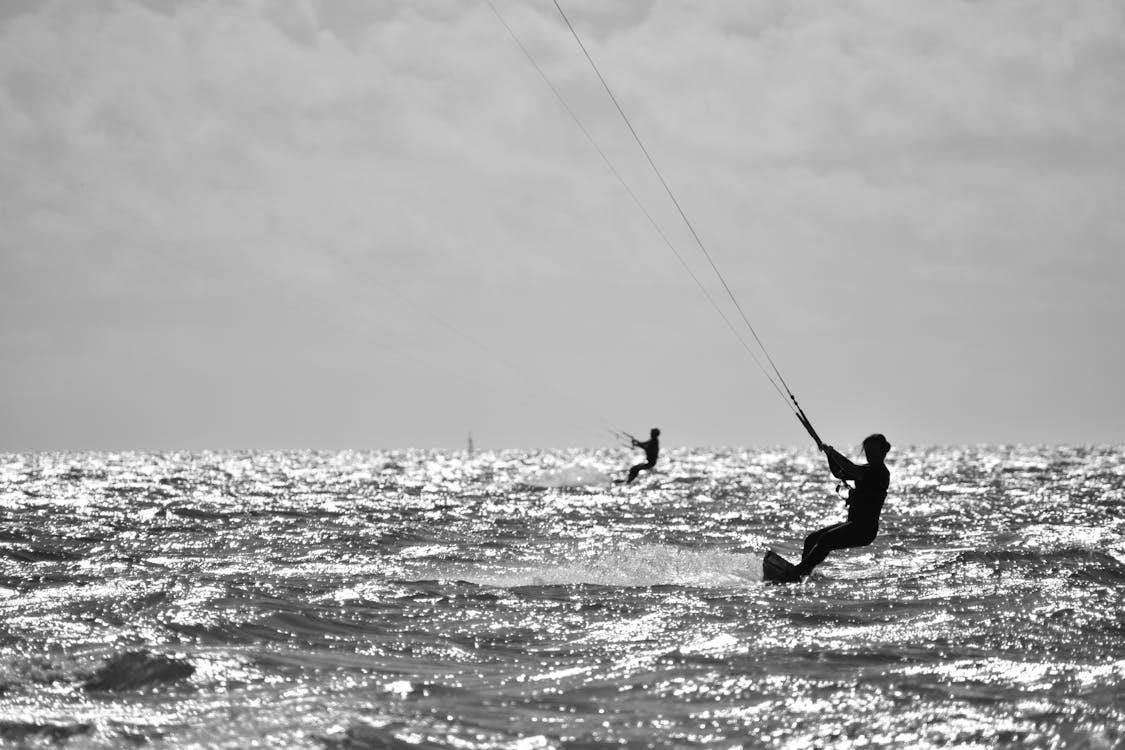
(369, 737)
(1094, 565)
(25, 732)
(134, 670)
(37, 553)
(1062, 555)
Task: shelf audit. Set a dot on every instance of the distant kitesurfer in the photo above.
(651, 447)
(865, 502)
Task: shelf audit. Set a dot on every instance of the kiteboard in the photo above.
(776, 569)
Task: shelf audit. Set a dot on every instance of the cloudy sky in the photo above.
(372, 224)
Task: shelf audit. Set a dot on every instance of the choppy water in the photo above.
(518, 600)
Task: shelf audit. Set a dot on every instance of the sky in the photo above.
(374, 224)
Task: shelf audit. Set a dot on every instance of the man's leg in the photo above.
(633, 472)
(837, 537)
(813, 538)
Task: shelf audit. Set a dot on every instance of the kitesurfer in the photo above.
(651, 447)
(865, 502)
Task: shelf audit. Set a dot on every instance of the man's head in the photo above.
(654, 432)
(875, 447)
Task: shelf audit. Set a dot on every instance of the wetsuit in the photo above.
(865, 502)
(651, 448)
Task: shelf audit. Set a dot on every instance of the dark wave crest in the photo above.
(134, 670)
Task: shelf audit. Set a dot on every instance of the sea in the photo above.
(513, 599)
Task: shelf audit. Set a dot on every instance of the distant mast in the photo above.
(470, 443)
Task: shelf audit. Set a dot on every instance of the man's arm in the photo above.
(841, 467)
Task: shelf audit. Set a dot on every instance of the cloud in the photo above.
(873, 156)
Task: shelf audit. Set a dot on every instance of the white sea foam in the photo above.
(644, 565)
(568, 476)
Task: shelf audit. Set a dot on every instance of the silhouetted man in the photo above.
(865, 502)
(651, 447)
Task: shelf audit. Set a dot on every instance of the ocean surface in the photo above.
(416, 599)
